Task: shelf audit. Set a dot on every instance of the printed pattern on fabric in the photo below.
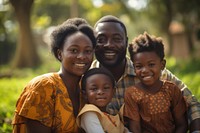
(46, 100)
(155, 110)
(129, 79)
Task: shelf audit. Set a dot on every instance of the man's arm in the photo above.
(193, 104)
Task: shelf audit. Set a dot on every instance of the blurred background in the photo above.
(25, 26)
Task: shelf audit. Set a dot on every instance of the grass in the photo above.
(11, 87)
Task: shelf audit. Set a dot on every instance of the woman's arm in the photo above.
(34, 126)
(90, 123)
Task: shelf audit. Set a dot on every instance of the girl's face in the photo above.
(99, 90)
(77, 54)
(148, 66)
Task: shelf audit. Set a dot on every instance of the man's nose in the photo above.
(109, 43)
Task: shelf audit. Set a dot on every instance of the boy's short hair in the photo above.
(94, 71)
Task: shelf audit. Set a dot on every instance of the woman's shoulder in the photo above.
(43, 79)
(47, 80)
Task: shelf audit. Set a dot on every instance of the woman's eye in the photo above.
(88, 51)
(74, 50)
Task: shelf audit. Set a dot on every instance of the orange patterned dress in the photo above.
(46, 100)
(155, 111)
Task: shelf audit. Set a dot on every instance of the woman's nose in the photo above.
(81, 55)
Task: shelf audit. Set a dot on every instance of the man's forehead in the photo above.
(108, 26)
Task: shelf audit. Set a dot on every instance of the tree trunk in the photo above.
(74, 9)
(26, 53)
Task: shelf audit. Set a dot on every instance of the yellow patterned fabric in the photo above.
(46, 100)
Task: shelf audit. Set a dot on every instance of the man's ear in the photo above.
(126, 41)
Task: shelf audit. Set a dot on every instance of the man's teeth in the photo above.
(109, 54)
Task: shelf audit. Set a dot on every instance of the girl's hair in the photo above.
(146, 43)
(94, 71)
(67, 28)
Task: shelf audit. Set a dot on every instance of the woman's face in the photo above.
(77, 54)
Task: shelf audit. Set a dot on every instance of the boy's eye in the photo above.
(107, 87)
(93, 89)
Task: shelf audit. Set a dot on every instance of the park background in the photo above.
(25, 26)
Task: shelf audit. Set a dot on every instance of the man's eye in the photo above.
(101, 40)
(117, 39)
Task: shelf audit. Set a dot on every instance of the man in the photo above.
(112, 41)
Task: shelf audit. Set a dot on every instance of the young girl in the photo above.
(98, 86)
(152, 105)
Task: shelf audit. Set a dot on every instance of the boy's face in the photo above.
(99, 90)
(148, 66)
(111, 43)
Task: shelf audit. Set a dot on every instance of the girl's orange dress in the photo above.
(155, 111)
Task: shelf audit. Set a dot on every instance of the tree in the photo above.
(26, 53)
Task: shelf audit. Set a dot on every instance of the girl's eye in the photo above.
(138, 67)
(152, 64)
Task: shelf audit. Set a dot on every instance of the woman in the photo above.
(51, 102)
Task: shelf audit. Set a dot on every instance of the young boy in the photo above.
(153, 105)
(98, 86)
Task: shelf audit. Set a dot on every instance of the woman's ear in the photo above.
(59, 53)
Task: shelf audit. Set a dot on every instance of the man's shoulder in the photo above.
(95, 64)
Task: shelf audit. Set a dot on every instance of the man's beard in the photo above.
(120, 59)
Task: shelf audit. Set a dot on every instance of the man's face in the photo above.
(111, 43)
